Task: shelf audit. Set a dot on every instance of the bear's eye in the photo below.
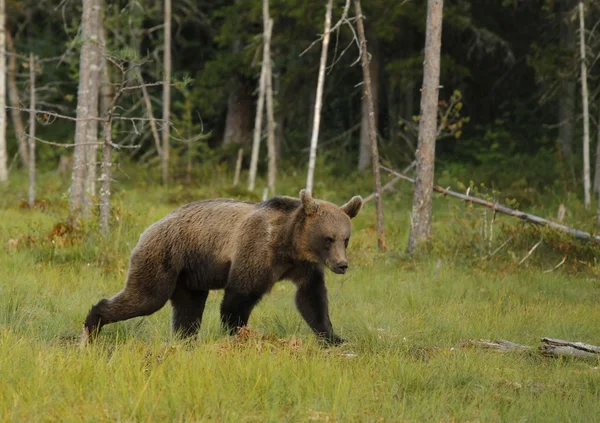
(346, 242)
(328, 241)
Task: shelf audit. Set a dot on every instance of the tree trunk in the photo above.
(13, 98)
(190, 143)
(392, 113)
(259, 114)
(369, 88)
(408, 99)
(566, 100)
(365, 155)
(279, 132)
(586, 117)
(597, 172)
(91, 147)
(319, 100)
(166, 94)
(268, 22)
(238, 167)
(105, 176)
(422, 200)
(31, 139)
(238, 124)
(3, 152)
(106, 89)
(83, 113)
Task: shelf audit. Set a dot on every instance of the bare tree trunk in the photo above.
(566, 101)
(422, 200)
(31, 140)
(279, 132)
(238, 167)
(408, 101)
(3, 152)
(319, 99)
(597, 172)
(365, 157)
(259, 113)
(586, 117)
(106, 89)
(189, 149)
(166, 94)
(91, 147)
(368, 90)
(148, 104)
(105, 176)
(238, 124)
(272, 155)
(83, 113)
(13, 98)
(279, 122)
(392, 113)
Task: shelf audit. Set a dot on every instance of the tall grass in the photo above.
(404, 320)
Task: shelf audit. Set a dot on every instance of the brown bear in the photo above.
(241, 247)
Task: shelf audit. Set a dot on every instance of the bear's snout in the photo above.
(341, 267)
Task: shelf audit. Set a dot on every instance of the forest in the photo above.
(469, 128)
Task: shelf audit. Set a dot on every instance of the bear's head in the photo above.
(326, 230)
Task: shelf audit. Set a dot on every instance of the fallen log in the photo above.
(499, 345)
(550, 347)
(559, 347)
(576, 233)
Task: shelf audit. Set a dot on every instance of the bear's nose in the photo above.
(342, 267)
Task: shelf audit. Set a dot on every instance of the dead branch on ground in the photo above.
(576, 233)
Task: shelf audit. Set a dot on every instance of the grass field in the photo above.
(404, 320)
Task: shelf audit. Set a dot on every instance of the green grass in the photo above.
(404, 320)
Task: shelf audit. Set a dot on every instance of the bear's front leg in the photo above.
(311, 300)
(236, 308)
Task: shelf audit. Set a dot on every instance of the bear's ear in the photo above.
(352, 207)
(309, 205)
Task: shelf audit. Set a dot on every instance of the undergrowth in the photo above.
(405, 318)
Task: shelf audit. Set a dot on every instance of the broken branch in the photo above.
(576, 233)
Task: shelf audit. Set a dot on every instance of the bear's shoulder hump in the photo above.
(280, 203)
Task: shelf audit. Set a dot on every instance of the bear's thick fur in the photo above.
(241, 247)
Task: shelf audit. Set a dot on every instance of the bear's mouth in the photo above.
(340, 269)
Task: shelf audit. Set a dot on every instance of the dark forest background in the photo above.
(510, 70)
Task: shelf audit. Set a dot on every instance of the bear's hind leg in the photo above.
(188, 306)
(236, 308)
(123, 306)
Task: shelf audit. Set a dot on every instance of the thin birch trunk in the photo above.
(166, 94)
(106, 89)
(91, 148)
(259, 114)
(566, 99)
(238, 167)
(368, 91)
(319, 100)
(3, 152)
(105, 176)
(597, 172)
(422, 200)
(148, 104)
(13, 98)
(272, 154)
(586, 114)
(83, 114)
(190, 146)
(31, 140)
(365, 146)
